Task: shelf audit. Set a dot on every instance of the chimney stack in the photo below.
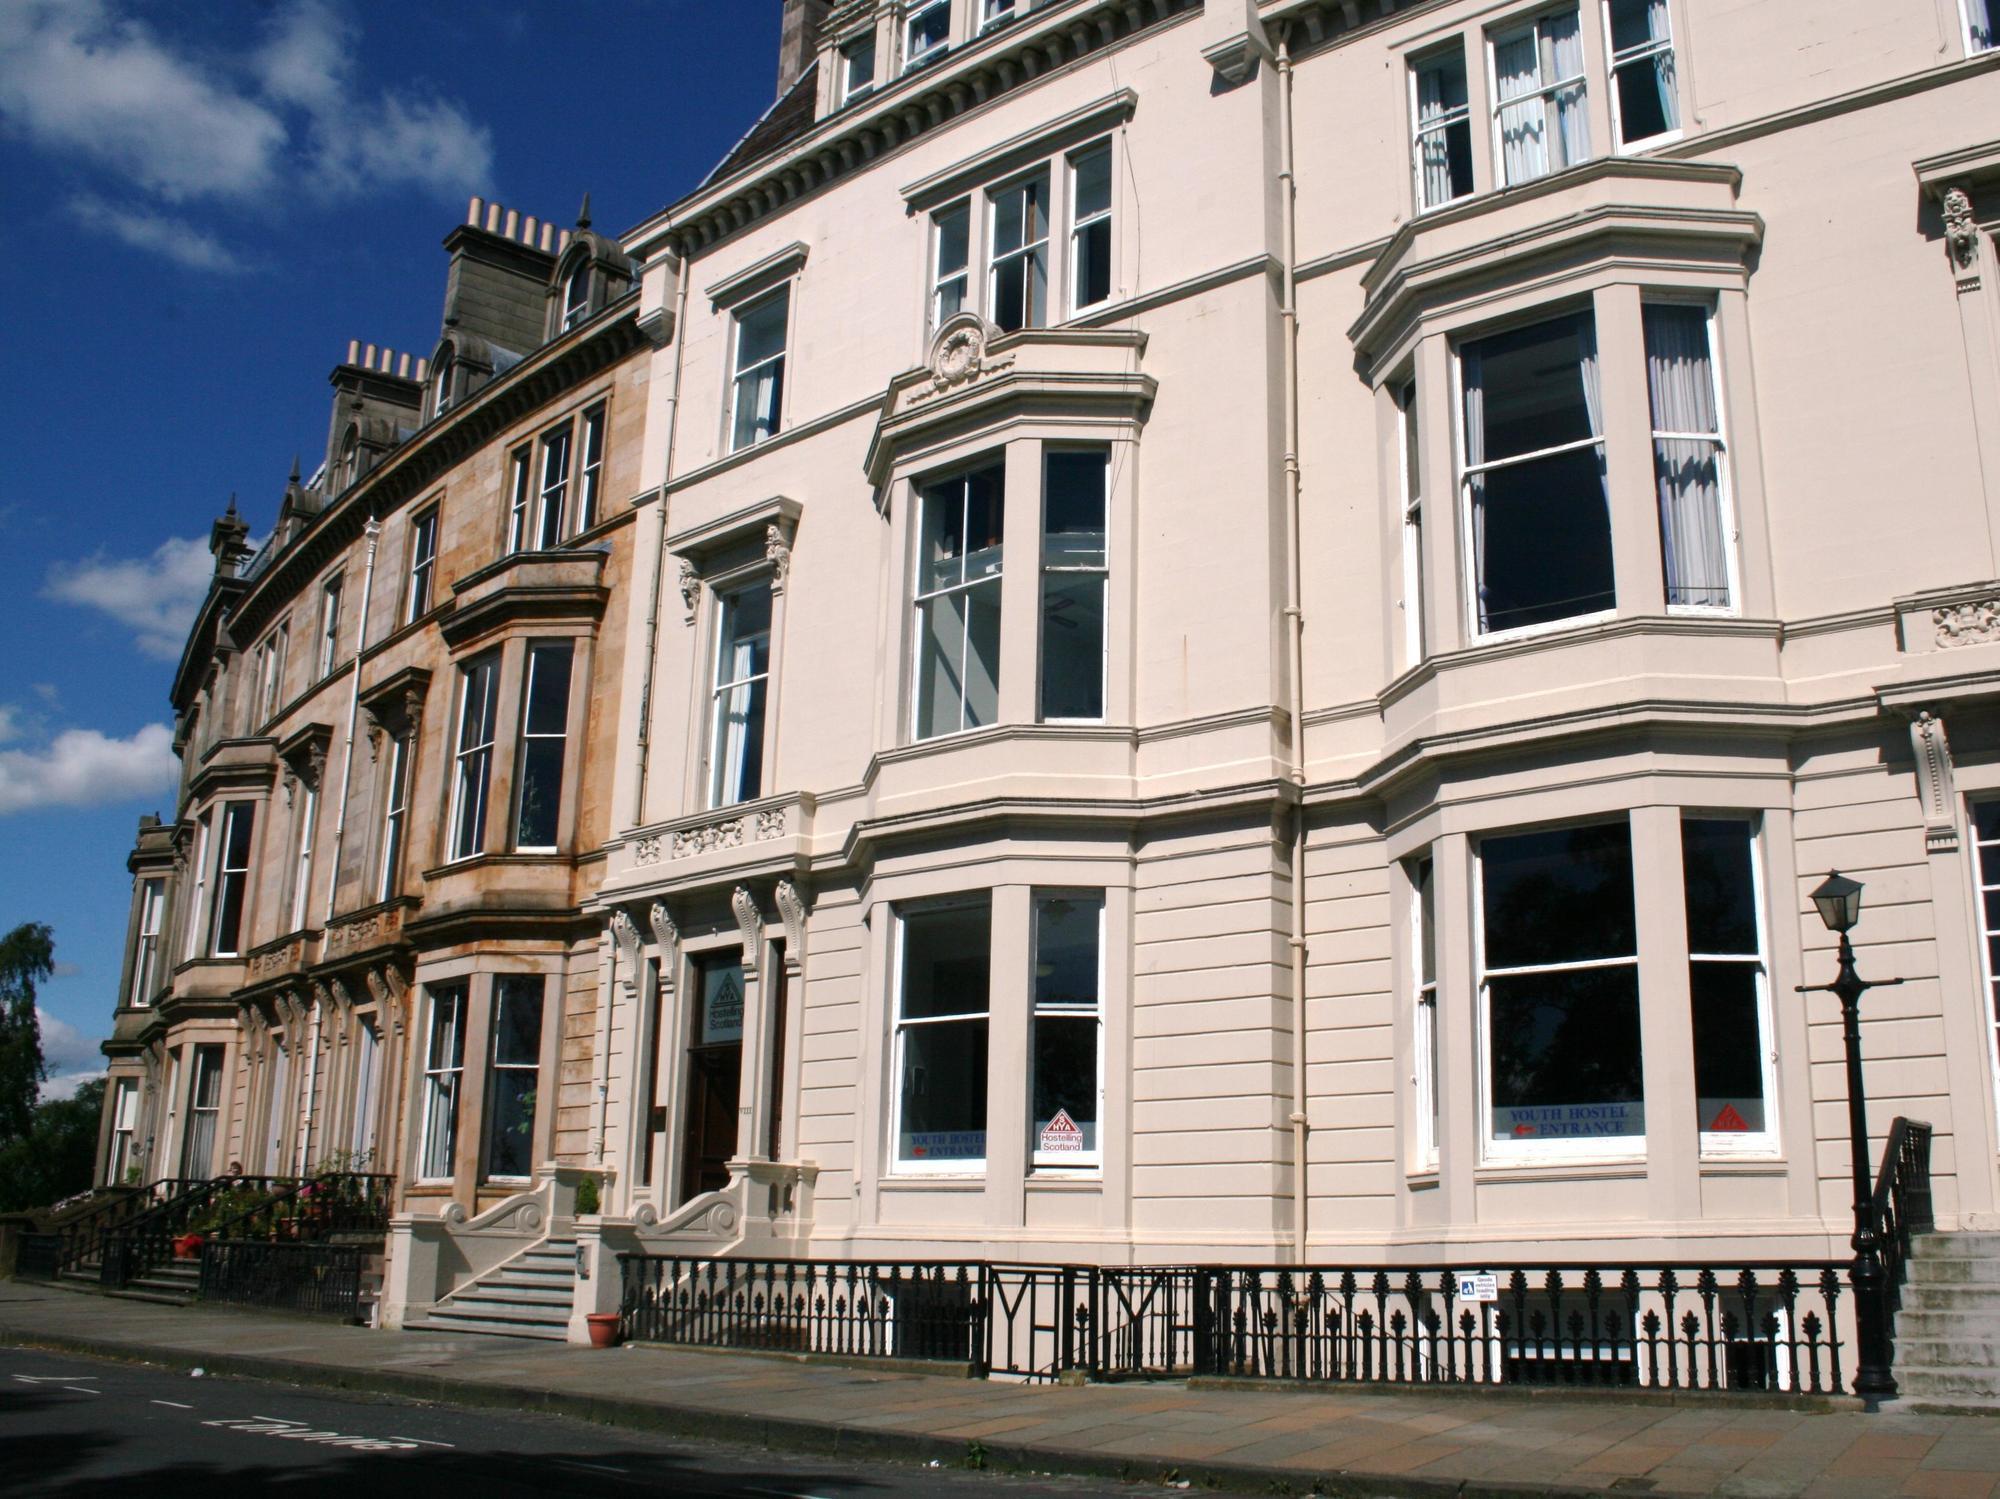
(798, 38)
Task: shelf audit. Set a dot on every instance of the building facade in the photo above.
(1233, 631)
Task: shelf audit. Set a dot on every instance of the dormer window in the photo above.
(441, 385)
(857, 68)
(576, 296)
(993, 12)
(350, 458)
(926, 32)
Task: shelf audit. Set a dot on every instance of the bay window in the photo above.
(757, 391)
(1645, 100)
(472, 762)
(737, 696)
(204, 1113)
(943, 975)
(544, 737)
(926, 31)
(232, 879)
(1537, 507)
(1727, 983)
(540, 481)
(1558, 978)
(123, 1158)
(444, 1063)
(1442, 110)
(1019, 258)
(1075, 498)
(1066, 1048)
(1539, 120)
(512, 1093)
(1687, 457)
(958, 603)
(146, 944)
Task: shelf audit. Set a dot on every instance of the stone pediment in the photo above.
(976, 377)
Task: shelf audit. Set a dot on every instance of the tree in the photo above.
(58, 1155)
(27, 956)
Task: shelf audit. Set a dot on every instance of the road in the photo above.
(76, 1427)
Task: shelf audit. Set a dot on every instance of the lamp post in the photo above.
(1839, 901)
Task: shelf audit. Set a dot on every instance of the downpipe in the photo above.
(373, 530)
(659, 563)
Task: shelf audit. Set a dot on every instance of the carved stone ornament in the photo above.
(792, 909)
(728, 833)
(959, 353)
(749, 924)
(1974, 623)
(665, 934)
(690, 587)
(626, 932)
(1935, 787)
(647, 850)
(778, 552)
(1961, 234)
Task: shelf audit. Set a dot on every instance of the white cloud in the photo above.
(87, 79)
(10, 722)
(143, 229)
(64, 1047)
(156, 596)
(83, 768)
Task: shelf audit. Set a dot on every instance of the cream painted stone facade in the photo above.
(1341, 694)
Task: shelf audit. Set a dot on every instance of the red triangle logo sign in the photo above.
(1061, 1134)
(1729, 1121)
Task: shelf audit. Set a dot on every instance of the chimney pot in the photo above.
(423, 370)
(403, 367)
(368, 357)
(548, 236)
(492, 218)
(354, 351)
(513, 223)
(528, 226)
(472, 213)
(562, 241)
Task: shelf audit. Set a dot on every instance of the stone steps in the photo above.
(529, 1297)
(1948, 1330)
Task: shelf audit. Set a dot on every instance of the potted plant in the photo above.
(586, 1196)
(603, 1329)
(188, 1246)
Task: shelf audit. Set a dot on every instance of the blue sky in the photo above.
(201, 202)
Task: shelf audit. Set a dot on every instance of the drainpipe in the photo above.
(373, 531)
(1295, 629)
(659, 559)
(311, 1082)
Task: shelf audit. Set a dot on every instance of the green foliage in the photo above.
(586, 1195)
(58, 1154)
(27, 956)
(975, 1454)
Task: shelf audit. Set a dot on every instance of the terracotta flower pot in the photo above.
(603, 1329)
(187, 1246)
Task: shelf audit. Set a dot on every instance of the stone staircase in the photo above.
(528, 1297)
(1948, 1332)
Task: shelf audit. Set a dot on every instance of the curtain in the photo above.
(1472, 376)
(1593, 402)
(1981, 24)
(1524, 151)
(1563, 39)
(1433, 145)
(734, 722)
(1685, 466)
(1663, 62)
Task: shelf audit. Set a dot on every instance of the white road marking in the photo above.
(566, 1462)
(298, 1431)
(422, 1443)
(175, 1404)
(77, 1389)
(61, 1379)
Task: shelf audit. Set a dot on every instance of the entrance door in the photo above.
(714, 1076)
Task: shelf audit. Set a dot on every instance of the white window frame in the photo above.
(918, 11)
(330, 593)
(999, 12)
(122, 1154)
(538, 650)
(576, 296)
(1086, 1162)
(1613, 62)
(590, 470)
(1972, 49)
(495, 1067)
(463, 821)
(720, 688)
(965, 275)
(1763, 1142)
(302, 863)
(1469, 565)
(919, 597)
(198, 892)
(146, 942)
(367, 1067)
(521, 463)
(1045, 570)
(1028, 248)
(224, 872)
(1409, 434)
(1494, 1152)
(444, 1085)
(271, 673)
(552, 447)
(745, 377)
(419, 595)
(1732, 536)
(1424, 1033)
(441, 385)
(1439, 126)
(852, 92)
(966, 1165)
(1981, 888)
(395, 815)
(1546, 92)
(1080, 224)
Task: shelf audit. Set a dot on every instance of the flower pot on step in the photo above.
(603, 1329)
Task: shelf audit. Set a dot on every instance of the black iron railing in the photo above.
(76, 1241)
(276, 1208)
(321, 1280)
(345, 1202)
(146, 1242)
(1722, 1328)
(1901, 1206)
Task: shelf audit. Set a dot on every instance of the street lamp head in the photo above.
(1839, 902)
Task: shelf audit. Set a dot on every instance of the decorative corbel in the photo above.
(1935, 787)
(778, 552)
(625, 931)
(792, 909)
(749, 923)
(690, 587)
(666, 936)
(1961, 232)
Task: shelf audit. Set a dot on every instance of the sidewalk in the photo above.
(1340, 1441)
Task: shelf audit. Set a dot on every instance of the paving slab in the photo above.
(1343, 1441)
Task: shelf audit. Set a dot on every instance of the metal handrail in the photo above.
(1899, 1208)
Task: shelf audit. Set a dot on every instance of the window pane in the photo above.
(541, 793)
(944, 1092)
(1424, 879)
(940, 665)
(1542, 541)
(1566, 1063)
(982, 656)
(1072, 645)
(1073, 508)
(1721, 894)
(739, 743)
(1560, 896)
(511, 1146)
(954, 229)
(745, 646)
(517, 1021)
(945, 961)
(1728, 1047)
(1066, 956)
(761, 331)
(1093, 182)
(720, 1020)
(548, 688)
(1444, 130)
(1065, 1081)
(544, 727)
(1526, 389)
(1093, 263)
